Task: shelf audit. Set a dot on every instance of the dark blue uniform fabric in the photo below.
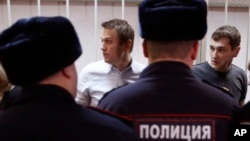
(9, 98)
(241, 132)
(168, 102)
(244, 115)
(49, 113)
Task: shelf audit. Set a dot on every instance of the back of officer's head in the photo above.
(173, 20)
(35, 48)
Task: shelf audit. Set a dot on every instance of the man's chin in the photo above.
(107, 61)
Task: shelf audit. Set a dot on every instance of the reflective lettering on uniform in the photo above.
(196, 132)
(144, 130)
(175, 132)
(206, 132)
(182, 132)
(154, 131)
(164, 132)
(185, 132)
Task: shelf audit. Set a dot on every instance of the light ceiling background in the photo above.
(211, 3)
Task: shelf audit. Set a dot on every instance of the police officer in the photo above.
(38, 54)
(168, 102)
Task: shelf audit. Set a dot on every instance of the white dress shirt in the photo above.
(100, 77)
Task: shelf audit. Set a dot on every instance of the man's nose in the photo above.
(103, 47)
(214, 53)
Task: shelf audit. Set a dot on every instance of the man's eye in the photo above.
(221, 50)
(108, 42)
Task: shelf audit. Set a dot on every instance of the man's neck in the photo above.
(185, 61)
(123, 64)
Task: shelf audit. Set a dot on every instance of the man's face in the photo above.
(221, 54)
(112, 51)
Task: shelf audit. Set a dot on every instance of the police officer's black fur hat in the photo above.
(173, 20)
(34, 48)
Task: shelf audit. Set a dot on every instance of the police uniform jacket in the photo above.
(168, 102)
(49, 113)
(9, 97)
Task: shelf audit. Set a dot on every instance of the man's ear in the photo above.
(128, 45)
(66, 72)
(145, 48)
(236, 51)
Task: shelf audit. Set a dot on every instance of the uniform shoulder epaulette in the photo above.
(220, 88)
(128, 121)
